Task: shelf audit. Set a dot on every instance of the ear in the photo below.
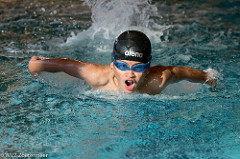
(111, 65)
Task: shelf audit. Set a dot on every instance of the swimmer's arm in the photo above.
(74, 68)
(71, 67)
(194, 75)
(93, 73)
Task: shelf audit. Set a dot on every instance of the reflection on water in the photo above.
(69, 120)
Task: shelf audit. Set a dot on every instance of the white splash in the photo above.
(110, 18)
(212, 74)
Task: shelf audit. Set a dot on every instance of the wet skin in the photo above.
(152, 81)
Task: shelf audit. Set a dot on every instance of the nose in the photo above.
(130, 74)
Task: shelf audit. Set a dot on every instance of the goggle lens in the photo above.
(124, 66)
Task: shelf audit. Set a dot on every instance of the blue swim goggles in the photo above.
(136, 68)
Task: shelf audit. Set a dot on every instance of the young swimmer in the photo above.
(129, 70)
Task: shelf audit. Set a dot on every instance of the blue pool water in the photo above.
(62, 117)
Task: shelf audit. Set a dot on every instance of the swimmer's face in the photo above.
(128, 81)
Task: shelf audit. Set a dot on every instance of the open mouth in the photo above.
(129, 85)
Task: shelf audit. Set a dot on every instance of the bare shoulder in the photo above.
(97, 68)
(159, 71)
(97, 75)
(156, 79)
(162, 74)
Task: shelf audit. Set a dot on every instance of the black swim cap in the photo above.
(132, 45)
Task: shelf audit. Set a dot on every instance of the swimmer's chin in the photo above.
(130, 91)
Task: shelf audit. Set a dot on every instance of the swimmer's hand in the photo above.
(211, 77)
(211, 82)
(34, 65)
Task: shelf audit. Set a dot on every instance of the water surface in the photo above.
(61, 116)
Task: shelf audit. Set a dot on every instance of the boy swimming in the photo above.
(129, 70)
